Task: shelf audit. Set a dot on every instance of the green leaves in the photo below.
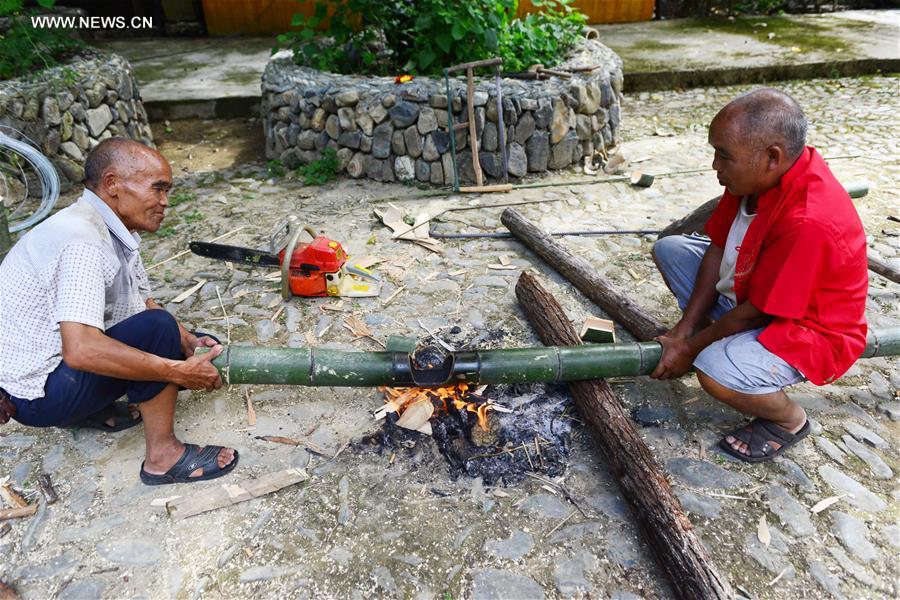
(424, 36)
(25, 50)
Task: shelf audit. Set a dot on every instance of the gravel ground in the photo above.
(366, 524)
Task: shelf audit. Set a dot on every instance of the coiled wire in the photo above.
(47, 176)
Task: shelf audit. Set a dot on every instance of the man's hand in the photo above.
(676, 360)
(198, 372)
(7, 409)
(190, 342)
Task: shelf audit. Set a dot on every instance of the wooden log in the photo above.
(643, 483)
(694, 222)
(577, 270)
(884, 269)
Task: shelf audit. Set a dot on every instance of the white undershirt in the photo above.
(732, 246)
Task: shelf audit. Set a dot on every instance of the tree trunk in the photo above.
(694, 222)
(577, 270)
(884, 269)
(643, 483)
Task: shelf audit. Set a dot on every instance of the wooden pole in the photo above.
(473, 134)
(643, 483)
(694, 222)
(583, 276)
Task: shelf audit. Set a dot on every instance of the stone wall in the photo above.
(388, 131)
(68, 109)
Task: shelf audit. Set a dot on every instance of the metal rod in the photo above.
(338, 368)
(507, 234)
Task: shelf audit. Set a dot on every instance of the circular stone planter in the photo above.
(68, 109)
(388, 131)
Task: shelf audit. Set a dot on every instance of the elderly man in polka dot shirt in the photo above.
(79, 330)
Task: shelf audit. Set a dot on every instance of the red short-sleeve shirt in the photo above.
(803, 261)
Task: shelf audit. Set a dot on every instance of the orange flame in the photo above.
(403, 398)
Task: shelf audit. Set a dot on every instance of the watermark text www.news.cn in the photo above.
(78, 22)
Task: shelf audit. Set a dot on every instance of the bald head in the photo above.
(123, 156)
(767, 116)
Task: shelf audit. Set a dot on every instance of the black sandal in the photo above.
(193, 458)
(757, 435)
(118, 411)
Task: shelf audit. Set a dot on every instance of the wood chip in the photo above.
(18, 512)
(780, 575)
(416, 416)
(251, 412)
(277, 439)
(503, 267)
(357, 327)
(390, 298)
(762, 532)
(277, 313)
(504, 259)
(11, 497)
(823, 504)
(227, 494)
(188, 292)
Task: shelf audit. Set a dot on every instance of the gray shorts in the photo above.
(738, 362)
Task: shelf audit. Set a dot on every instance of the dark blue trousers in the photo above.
(71, 395)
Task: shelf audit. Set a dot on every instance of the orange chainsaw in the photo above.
(316, 268)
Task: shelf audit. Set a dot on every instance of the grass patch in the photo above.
(165, 231)
(180, 198)
(791, 33)
(193, 217)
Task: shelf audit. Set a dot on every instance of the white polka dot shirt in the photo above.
(80, 265)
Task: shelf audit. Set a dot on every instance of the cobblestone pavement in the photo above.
(368, 524)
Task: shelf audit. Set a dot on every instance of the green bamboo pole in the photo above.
(338, 368)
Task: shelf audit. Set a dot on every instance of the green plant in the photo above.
(354, 42)
(165, 231)
(25, 48)
(275, 168)
(423, 36)
(181, 197)
(541, 38)
(321, 170)
(194, 216)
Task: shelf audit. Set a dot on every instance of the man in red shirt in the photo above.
(777, 293)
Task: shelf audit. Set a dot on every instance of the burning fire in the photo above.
(416, 405)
